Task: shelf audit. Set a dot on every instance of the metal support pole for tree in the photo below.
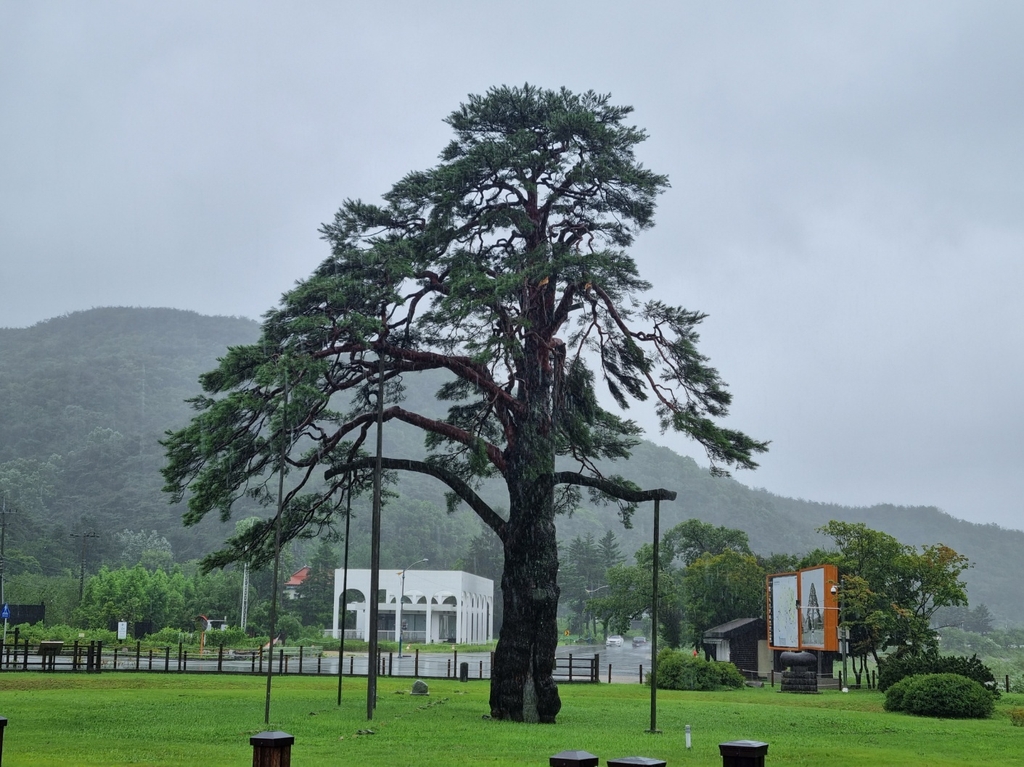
(371, 666)
(244, 619)
(344, 587)
(277, 541)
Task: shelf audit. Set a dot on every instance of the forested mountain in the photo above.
(84, 399)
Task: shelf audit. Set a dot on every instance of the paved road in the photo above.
(625, 661)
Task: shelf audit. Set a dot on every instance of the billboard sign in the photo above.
(803, 613)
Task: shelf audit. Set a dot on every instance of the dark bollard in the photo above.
(3, 724)
(636, 761)
(743, 753)
(573, 759)
(272, 749)
(463, 672)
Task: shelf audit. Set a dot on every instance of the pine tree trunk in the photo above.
(522, 687)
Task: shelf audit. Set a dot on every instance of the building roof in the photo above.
(297, 578)
(736, 628)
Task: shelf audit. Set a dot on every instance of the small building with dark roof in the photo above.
(743, 642)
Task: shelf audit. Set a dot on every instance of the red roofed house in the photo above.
(291, 586)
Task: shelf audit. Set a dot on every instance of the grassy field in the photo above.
(117, 719)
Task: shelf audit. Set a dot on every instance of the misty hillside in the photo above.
(84, 399)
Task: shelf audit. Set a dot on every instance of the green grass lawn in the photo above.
(150, 719)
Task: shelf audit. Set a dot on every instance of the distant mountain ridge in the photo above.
(84, 399)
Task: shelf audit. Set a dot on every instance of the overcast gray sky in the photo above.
(846, 197)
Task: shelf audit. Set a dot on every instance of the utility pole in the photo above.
(3, 561)
(81, 572)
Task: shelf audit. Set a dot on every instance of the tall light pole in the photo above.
(590, 595)
(401, 599)
(654, 619)
(844, 639)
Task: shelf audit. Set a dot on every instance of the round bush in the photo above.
(679, 670)
(897, 692)
(895, 668)
(949, 696)
(728, 675)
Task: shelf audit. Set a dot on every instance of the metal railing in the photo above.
(93, 657)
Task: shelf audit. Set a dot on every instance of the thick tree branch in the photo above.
(613, 488)
(458, 486)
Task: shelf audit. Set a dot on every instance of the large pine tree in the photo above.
(505, 266)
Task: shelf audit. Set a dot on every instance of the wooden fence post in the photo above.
(272, 749)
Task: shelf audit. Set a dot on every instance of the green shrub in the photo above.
(679, 670)
(893, 669)
(229, 637)
(729, 675)
(897, 692)
(949, 696)
(172, 636)
(36, 632)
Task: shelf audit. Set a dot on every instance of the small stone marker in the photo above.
(573, 759)
(636, 761)
(419, 687)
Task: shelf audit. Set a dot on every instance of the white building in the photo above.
(448, 606)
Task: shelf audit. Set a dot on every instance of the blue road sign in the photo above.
(6, 613)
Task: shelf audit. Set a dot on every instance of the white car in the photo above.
(613, 641)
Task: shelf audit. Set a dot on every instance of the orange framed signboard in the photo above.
(803, 613)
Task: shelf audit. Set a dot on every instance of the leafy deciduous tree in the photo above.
(693, 538)
(721, 587)
(891, 590)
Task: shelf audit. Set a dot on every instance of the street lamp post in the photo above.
(401, 599)
(590, 595)
(843, 637)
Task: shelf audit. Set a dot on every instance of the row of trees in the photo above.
(149, 587)
(709, 575)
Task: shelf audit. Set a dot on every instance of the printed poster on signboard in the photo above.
(784, 622)
(812, 608)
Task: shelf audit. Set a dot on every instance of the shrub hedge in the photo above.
(897, 692)
(679, 670)
(893, 669)
(947, 696)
